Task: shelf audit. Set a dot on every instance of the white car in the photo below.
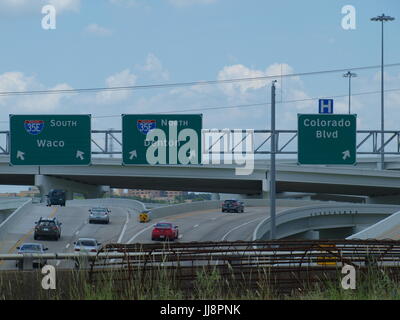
(87, 245)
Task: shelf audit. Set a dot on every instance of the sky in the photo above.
(107, 43)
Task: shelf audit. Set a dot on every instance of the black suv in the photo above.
(56, 197)
(47, 228)
(232, 206)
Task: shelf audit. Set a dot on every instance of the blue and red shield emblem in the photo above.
(34, 126)
(144, 126)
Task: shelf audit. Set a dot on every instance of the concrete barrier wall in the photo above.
(108, 202)
(378, 229)
(216, 205)
(12, 203)
(304, 218)
(17, 212)
(184, 207)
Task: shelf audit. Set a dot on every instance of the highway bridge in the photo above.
(377, 186)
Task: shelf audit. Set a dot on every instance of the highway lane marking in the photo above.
(184, 215)
(124, 228)
(53, 213)
(242, 225)
(30, 232)
(139, 233)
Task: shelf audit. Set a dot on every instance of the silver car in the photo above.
(87, 245)
(99, 215)
(32, 248)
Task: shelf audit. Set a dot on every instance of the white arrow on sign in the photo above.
(79, 154)
(346, 154)
(133, 153)
(20, 155)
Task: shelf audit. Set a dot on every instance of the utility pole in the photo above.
(272, 189)
(349, 75)
(382, 19)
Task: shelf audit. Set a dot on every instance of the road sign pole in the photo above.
(272, 188)
(382, 166)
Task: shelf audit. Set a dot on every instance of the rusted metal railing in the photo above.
(285, 265)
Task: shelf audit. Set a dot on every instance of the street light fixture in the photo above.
(382, 19)
(350, 75)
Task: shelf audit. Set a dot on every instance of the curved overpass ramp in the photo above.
(388, 228)
(329, 221)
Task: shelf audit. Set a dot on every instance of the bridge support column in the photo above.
(46, 183)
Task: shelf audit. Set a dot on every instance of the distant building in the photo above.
(155, 194)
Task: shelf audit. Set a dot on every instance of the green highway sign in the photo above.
(327, 139)
(50, 139)
(161, 139)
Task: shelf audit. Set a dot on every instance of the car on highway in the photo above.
(164, 231)
(56, 197)
(232, 206)
(32, 248)
(99, 215)
(47, 228)
(87, 245)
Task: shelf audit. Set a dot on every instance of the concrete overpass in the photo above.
(363, 179)
(326, 221)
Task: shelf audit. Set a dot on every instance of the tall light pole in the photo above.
(272, 189)
(382, 19)
(350, 75)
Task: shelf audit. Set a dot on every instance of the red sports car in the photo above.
(164, 231)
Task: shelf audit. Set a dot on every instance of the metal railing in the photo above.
(109, 142)
(286, 265)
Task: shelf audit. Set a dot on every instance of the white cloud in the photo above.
(154, 69)
(239, 71)
(17, 82)
(120, 79)
(97, 30)
(45, 103)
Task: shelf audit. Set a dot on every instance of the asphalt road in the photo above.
(209, 225)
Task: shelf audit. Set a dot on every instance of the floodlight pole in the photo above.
(382, 19)
(272, 189)
(349, 75)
